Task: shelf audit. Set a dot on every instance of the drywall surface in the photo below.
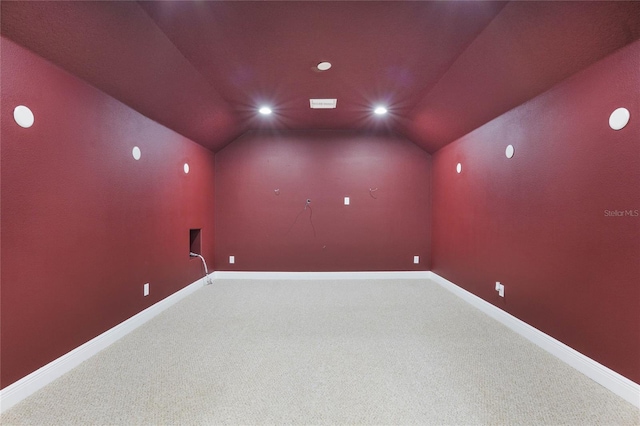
(263, 182)
(84, 224)
(558, 224)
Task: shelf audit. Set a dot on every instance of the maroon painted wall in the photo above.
(538, 222)
(84, 225)
(259, 227)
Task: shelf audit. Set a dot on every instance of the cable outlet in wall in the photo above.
(145, 289)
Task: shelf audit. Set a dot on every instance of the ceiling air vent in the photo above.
(323, 103)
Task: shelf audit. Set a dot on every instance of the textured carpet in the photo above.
(323, 352)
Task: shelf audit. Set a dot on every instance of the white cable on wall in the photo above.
(204, 263)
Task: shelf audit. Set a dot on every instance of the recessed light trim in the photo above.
(186, 168)
(380, 110)
(136, 153)
(323, 66)
(459, 168)
(265, 110)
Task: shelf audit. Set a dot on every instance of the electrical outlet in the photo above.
(501, 290)
(416, 259)
(232, 259)
(498, 285)
(145, 289)
(346, 201)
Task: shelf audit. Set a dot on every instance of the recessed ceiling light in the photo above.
(265, 110)
(323, 66)
(186, 167)
(380, 110)
(136, 153)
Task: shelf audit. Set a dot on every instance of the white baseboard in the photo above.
(608, 378)
(364, 275)
(26, 386)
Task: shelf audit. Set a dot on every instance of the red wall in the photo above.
(260, 229)
(537, 222)
(84, 225)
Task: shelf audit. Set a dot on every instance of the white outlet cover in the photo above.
(501, 291)
(498, 285)
(346, 201)
(416, 259)
(232, 259)
(145, 289)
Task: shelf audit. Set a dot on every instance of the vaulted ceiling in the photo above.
(203, 68)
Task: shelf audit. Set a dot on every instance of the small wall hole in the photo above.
(195, 245)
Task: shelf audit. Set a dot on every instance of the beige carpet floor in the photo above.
(323, 352)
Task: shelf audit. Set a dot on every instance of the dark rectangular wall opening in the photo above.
(195, 245)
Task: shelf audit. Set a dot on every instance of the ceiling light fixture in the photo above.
(380, 110)
(323, 66)
(265, 110)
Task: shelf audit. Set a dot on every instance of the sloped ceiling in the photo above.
(203, 68)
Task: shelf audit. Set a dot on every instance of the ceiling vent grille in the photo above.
(323, 103)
